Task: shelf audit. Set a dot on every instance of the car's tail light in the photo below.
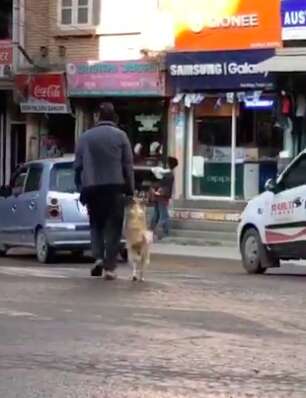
(54, 211)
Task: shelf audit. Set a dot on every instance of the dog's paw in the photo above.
(134, 278)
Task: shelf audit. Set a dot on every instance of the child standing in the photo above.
(162, 196)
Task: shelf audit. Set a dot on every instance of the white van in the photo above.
(273, 225)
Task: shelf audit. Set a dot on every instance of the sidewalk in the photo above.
(217, 252)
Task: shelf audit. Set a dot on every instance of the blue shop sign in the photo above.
(227, 70)
(294, 19)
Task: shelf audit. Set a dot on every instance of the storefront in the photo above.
(50, 124)
(288, 66)
(12, 122)
(223, 120)
(137, 90)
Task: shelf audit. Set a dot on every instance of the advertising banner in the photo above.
(128, 78)
(228, 70)
(6, 58)
(41, 93)
(294, 19)
(217, 25)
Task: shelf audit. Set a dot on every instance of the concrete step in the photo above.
(211, 226)
(213, 236)
(199, 242)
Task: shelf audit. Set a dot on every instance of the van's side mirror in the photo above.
(5, 191)
(270, 185)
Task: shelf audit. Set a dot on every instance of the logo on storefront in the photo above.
(227, 22)
(218, 69)
(41, 93)
(294, 19)
(231, 70)
(124, 78)
(52, 91)
(208, 25)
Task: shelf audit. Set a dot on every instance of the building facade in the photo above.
(223, 109)
(80, 53)
(12, 123)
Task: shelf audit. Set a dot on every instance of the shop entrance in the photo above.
(211, 149)
(144, 121)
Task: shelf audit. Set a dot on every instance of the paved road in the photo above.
(195, 328)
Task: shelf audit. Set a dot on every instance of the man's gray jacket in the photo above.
(104, 159)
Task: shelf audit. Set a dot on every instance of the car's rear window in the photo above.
(62, 178)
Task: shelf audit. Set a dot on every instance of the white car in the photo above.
(273, 225)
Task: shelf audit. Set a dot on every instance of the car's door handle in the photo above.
(297, 202)
(32, 205)
(14, 208)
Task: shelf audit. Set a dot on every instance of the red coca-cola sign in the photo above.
(53, 91)
(42, 93)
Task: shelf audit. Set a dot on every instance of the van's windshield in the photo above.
(62, 178)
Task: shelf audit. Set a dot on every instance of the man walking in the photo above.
(103, 174)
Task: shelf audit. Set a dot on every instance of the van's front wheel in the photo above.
(255, 257)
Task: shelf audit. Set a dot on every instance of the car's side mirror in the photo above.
(270, 185)
(5, 191)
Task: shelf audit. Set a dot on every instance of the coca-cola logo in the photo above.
(51, 91)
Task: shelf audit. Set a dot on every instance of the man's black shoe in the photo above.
(97, 271)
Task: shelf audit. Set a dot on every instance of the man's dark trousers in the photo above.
(106, 213)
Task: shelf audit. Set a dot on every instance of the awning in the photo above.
(283, 63)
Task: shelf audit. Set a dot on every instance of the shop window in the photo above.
(75, 13)
(211, 158)
(142, 121)
(257, 134)
(6, 19)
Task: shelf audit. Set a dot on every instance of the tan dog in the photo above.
(138, 238)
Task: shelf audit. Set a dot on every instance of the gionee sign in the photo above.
(209, 25)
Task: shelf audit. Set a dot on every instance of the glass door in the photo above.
(210, 148)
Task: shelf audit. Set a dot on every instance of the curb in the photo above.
(207, 252)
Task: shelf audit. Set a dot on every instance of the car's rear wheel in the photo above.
(255, 257)
(44, 253)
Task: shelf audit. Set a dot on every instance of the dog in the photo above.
(138, 237)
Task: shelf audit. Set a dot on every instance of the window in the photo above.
(34, 179)
(76, 12)
(62, 178)
(296, 175)
(18, 181)
(6, 19)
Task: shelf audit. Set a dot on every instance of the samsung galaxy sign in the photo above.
(218, 69)
(228, 70)
(294, 19)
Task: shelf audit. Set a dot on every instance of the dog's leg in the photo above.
(141, 269)
(144, 262)
(133, 263)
